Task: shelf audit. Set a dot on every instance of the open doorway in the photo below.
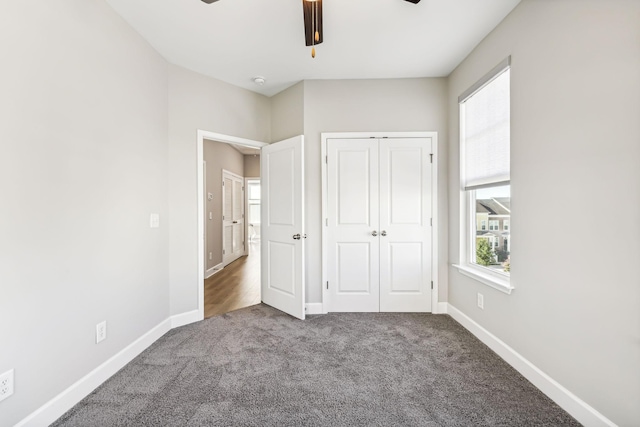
(231, 226)
(282, 232)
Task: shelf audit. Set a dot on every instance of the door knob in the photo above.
(383, 233)
(235, 222)
(374, 233)
(296, 237)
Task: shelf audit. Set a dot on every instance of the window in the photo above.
(485, 178)
(254, 202)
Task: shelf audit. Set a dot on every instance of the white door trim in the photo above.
(434, 205)
(227, 139)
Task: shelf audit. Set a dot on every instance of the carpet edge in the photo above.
(68, 398)
(568, 401)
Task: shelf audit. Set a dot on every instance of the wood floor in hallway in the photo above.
(236, 286)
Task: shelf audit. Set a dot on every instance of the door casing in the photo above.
(434, 205)
(198, 314)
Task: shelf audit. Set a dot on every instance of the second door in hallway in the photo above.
(232, 217)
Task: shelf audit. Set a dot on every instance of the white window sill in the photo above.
(501, 284)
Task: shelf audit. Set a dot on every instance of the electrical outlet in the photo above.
(101, 331)
(6, 384)
(480, 301)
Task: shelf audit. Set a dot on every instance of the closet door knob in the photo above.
(374, 233)
(296, 237)
(383, 233)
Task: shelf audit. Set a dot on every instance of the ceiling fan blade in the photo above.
(213, 1)
(309, 9)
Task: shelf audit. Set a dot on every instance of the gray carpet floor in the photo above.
(259, 367)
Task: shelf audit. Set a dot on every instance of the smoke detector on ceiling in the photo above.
(259, 80)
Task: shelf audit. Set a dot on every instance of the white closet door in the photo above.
(232, 217)
(353, 244)
(405, 229)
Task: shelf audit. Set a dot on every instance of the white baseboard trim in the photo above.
(56, 407)
(213, 270)
(185, 318)
(568, 401)
(60, 404)
(441, 308)
(314, 308)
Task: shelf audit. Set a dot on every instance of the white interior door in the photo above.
(282, 231)
(378, 229)
(232, 217)
(405, 229)
(352, 206)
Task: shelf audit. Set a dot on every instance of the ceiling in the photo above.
(236, 40)
(247, 151)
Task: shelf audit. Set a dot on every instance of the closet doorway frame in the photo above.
(434, 204)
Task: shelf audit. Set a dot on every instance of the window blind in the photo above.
(485, 131)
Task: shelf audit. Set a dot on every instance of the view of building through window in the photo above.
(493, 207)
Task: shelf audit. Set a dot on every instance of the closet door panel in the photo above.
(405, 225)
(352, 249)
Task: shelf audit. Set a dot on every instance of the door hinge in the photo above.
(432, 284)
(326, 222)
(223, 252)
(431, 155)
(223, 183)
(431, 222)
(327, 284)
(326, 159)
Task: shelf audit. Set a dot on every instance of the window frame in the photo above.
(468, 221)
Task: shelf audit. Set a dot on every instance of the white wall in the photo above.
(287, 113)
(83, 163)
(200, 102)
(575, 169)
(375, 106)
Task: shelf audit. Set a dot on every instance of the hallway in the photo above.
(236, 286)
